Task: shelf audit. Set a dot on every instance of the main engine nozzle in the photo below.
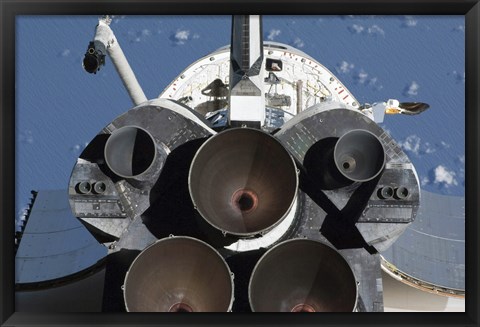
(301, 275)
(243, 182)
(359, 155)
(178, 274)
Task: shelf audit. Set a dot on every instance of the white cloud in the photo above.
(273, 34)
(66, 53)
(411, 144)
(373, 82)
(376, 30)
(357, 29)
(373, 30)
(425, 181)
(461, 159)
(26, 137)
(409, 21)
(361, 76)
(139, 36)
(444, 176)
(460, 28)
(77, 148)
(181, 36)
(412, 89)
(459, 77)
(445, 144)
(196, 36)
(345, 67)
(21, 215)
(298, 43)
(428, 148)
(117, 19)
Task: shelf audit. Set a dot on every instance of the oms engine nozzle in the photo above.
(359, 155)
(178, 274)
(243, 182)
(356, 156)
(301, 275)
(130, 151)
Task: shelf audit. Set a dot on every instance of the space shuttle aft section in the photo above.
(255, 182)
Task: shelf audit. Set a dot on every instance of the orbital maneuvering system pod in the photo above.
(236, 164)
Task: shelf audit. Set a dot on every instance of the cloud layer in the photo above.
(413, 144)
(360, 76)
(272, 35)
(374, 30)
(344, 67)
(440, 176)
(26, 137)
(444, 176)
(298, 43)
(182, 36)
(409, 21)
(411, 89)
(139, 36)
(458, 76)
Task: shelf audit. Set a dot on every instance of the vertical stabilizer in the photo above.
(247, 101)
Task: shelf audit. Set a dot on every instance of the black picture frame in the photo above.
(10, 9)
